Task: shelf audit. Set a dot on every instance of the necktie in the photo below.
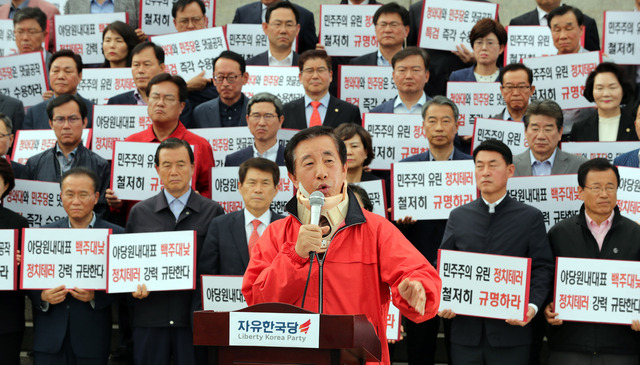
(254, 235)
(315, 115)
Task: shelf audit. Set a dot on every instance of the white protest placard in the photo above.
(348, 30)
(38, 201)
(394, 137)
(447, 23)
(394, 319)
(556, 196)
(629, 193)
(482, 285)
(591, 150)
(528, 41)
(8, 265)
(222, 293)
(594, 290)
(431, 189)
(112, 123)
(71, 257)
(155, 16)
(161, 260)
(100, 84)
(274, 329)
(189, 53)
(281, 81)
(224, 189)
(509, 132)
(247, 40)
(366, 86)
(375, 191)
(562, 77)
(82, 33)
(621, 37)
(23, 76)
(7, 38)
(30, 142)
(475, 100)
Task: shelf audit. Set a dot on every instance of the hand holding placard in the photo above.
(531, 312)
(551, 315)
(141, 292)
(82, 294)
(54, 295)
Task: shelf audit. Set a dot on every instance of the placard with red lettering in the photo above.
(30, 142)
(161, 260)
(189, 53)
(248, 40)
(224, 189)
(591, 150)
(376, 193)
(599, 291)
(112, 123)
(629, 193)
(38, 201)
(8, 264)
(222, 293)
(348, 30)
(394, 137)
(366, 86)
(100, 84)
(72, 257)
(7, 38)
(155, 16)
(394, 319)
(82, 33)
(621, 37)
(447, 23)
(528, 41)
(280, 81)
(475, 100)
(483, 285)
(431, 189)
(508, 131)
(562, 77)
(556, 196)
(23, 76)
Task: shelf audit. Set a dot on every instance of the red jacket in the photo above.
(366, 256)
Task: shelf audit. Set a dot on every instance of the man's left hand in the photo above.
(516, 322)
(82, 294)
(413, 292)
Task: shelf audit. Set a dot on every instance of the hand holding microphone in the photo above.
(310, 235)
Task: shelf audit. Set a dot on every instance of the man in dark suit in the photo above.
(73, 325)
(14, 109)
(281, 26)
(317, 106)
(516, 87)
(264, 117)
(254, 13)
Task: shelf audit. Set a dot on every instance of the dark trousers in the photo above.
(158, 345)
(10, 348)
(66, 356)
(582, 358)
(485, 354)
(421, 341)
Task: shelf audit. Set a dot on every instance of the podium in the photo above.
(344, 339)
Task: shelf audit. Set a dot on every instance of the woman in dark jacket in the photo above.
(359, 151)
(488, 39)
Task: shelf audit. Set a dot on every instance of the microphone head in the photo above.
(316, 199)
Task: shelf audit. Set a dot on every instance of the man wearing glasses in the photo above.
(281, 26)
(516, 87)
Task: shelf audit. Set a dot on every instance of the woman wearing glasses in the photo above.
(488, 39)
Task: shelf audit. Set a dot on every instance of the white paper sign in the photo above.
(528, 41)
(7, 38)
(64, 256)
(394, 320)
(8, 243)
(82, 33)
(22, 76)
(629, 193)
(621, 37)
(348, 30)
(562, 77)
(601, 291)
(100, 84)
(447, 23)
(482, 285)
(155, 16)
(591, 150)
(431, 189)
(366, 86)
(161, 260)
(222, 293)
(112, 123)
(274, 329)
(475, 100)
(30, 142)
(38, 201)
(375, 191)
(189, 53)
(281, 81)
(509, 132)
(394, 137)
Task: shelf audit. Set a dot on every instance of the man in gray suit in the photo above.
(543, 130)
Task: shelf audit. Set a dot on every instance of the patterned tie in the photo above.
(315, 115)
(254, 235)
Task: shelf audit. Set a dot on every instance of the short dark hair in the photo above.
(7, 122)
(231, 55)
(266, 97)
(173, 144)
(515, 67)
(6, 172)
(66, 53)
(156, 49)
(562, 10)
(175, 79)
(441, 100)
(180, 4)
(127, 33)
(281, 5)
(313, 54)
(63, 99)
(411, 51)
(348, 130)
(486, 26)
(495, 145)
(311, 133)
(597, 164)
(544, 107)
(261, 164)
(625, 81)
(393, 8)
(31, 13)
(81, 171)
(362, 194)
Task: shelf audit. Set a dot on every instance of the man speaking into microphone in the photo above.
(363, 254)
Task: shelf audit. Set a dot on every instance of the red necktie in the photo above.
(254, 235)
(315, 115)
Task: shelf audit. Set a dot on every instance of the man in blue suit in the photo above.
(73, 325)
(281, 25)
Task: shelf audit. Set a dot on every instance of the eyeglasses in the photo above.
(231, 79)
(610, 189)
(255, 117)
(5, 135)
(511, 88)
(61, 120)
(194, 19)
(311, 71)
(393, 25)
(31, 32)
(287, 25)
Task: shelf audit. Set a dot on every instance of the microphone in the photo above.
(316, 201)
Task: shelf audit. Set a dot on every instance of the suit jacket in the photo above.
(591, 37)
(120, 6)
(37, 117)
(338, 112)
(564, 163)
(49, 9)
(207, 114)
(14, 109)
(12, 302)
(369, 59)
(586, 129)
(186, 117)
(238, 157)
(629, 159)
(18, 170)
(262, 59)
(466, 74)
(89, 327)
(307, 38)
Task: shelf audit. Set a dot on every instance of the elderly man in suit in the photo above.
(281, 26)
(516, 87)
